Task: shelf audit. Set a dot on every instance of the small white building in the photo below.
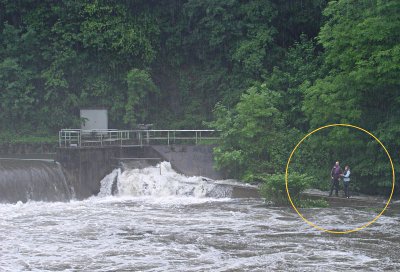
(94, 118)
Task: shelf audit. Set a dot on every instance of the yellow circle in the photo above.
(311, 223)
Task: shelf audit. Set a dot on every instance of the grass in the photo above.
(313, 203)
(13, 138)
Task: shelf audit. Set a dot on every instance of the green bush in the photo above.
(323, 184)
(274, 187)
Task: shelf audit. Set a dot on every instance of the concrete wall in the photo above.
(85, 167)
(190, 160)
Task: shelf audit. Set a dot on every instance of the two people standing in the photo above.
(336, 173)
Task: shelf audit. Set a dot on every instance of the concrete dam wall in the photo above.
(190, 160)
(85, 167)
(77, 172)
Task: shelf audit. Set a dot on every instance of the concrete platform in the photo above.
(359, 200)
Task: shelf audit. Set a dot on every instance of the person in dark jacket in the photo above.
(336, 172)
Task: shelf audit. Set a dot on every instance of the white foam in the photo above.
(162, 182)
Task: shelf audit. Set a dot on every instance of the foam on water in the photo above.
(132, 234)
(162, 183)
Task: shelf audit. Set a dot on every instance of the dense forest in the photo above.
(264, 72)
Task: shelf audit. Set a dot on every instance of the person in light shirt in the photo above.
(346, 181)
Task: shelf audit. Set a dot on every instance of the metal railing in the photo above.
(111, 137)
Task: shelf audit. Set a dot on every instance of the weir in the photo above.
(89, 155)
(84, 158)
(40, 180)
(86, 166)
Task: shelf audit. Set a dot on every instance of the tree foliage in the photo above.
(253, 137)
(353, 80)
(140, 86)
(59, 56)
(264, 72)
(361, 42)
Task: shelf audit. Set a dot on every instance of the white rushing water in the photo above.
(162, 181)
(170, 222)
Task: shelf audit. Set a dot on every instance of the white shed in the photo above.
(94, 118)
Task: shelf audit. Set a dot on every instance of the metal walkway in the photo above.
(73, 138)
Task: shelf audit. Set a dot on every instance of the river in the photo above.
(169, 222)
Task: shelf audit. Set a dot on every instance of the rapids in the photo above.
(169, 222)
